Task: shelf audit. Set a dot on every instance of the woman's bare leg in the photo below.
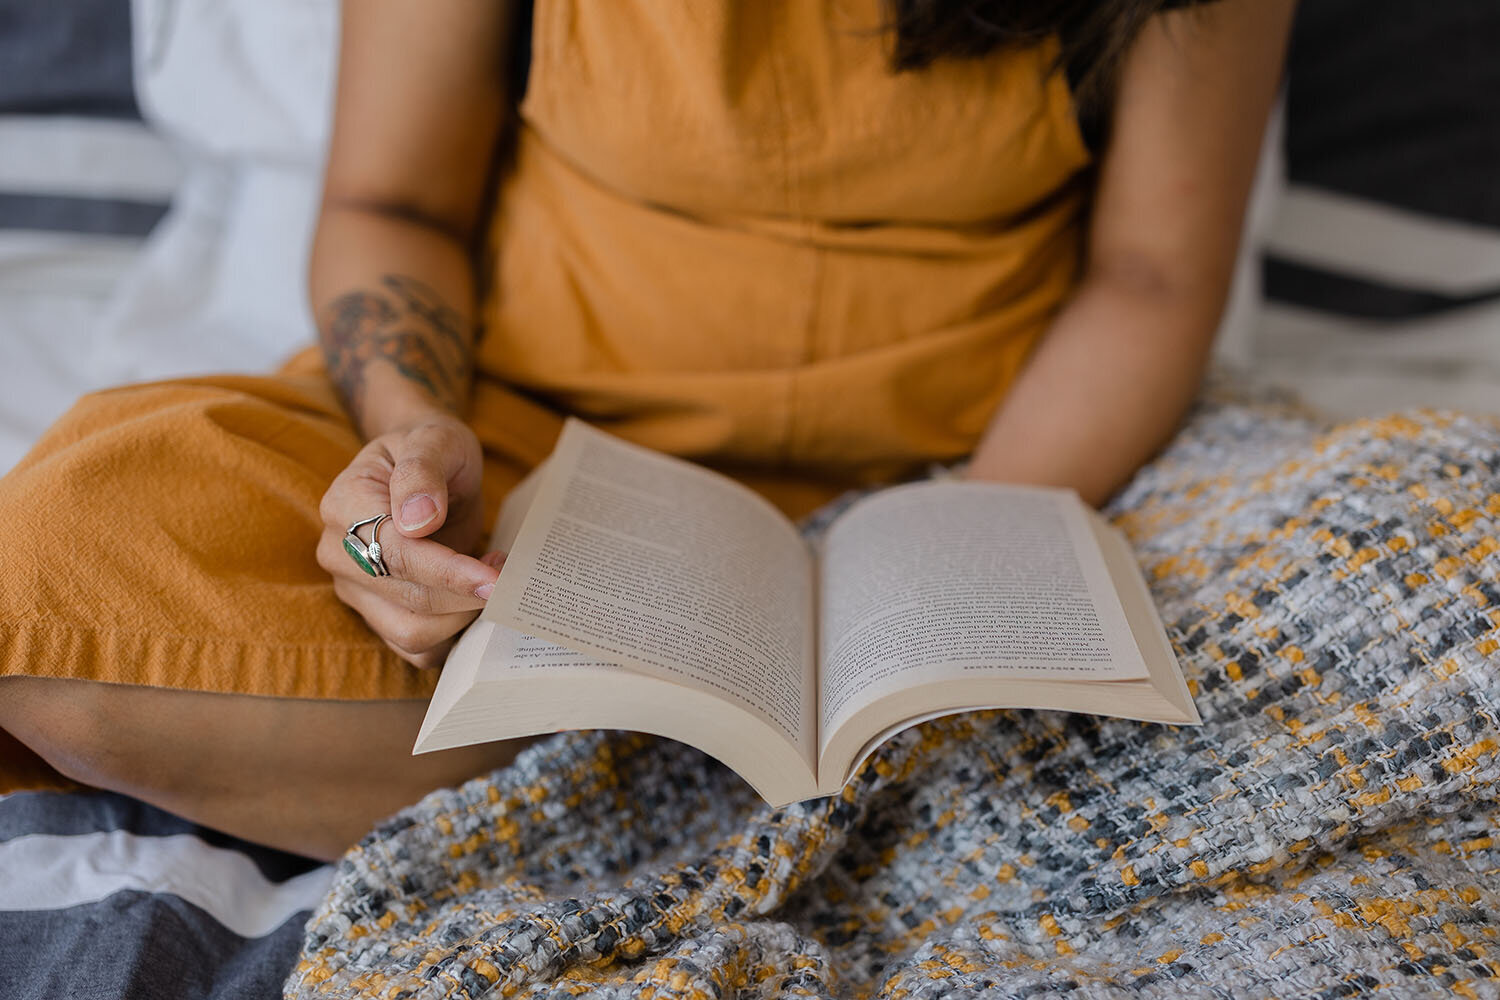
(302, 775)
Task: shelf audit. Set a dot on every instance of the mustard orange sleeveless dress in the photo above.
(729, 232)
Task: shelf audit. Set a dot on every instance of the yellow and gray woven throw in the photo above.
(1331, 830)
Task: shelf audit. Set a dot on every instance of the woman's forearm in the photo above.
(420, 103)
(1105, 390)
(394, 301)
(1122, 362)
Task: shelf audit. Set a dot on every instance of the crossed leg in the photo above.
(303, 775)
(163, 537)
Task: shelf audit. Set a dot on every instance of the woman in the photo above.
(743, 232)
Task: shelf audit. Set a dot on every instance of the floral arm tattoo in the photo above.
(406, 324)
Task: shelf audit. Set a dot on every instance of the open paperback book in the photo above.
(644, 592)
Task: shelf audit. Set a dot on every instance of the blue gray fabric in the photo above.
(1396, 104)
(70, 59)
(76, 214)
(132, 944)
(66, 57)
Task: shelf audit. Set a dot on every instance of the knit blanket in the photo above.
(1333, 593)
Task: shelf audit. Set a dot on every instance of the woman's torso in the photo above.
(731, 233)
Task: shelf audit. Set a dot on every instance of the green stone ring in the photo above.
(366, 557)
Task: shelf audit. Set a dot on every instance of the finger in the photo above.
(427, 459)
(360, 490)
(429, 601)
(430, 660)
(435, 566)
(419, 639)
(462, 585)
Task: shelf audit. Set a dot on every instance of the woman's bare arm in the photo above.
(420, 107)
(1121, 364)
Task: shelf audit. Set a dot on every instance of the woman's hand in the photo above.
(421, 101)
(426, 476)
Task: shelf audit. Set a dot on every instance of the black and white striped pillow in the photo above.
(1392, 211)
(103, 896)
(75, 156)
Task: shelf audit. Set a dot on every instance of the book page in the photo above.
(513, 509)
(510, 652)
(951, 579)
(487, 654)
(653, 563)
(499, 683)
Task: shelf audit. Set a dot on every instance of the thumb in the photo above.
(425, 458)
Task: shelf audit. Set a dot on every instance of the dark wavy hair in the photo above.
(1094, 34)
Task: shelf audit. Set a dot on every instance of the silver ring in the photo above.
(366, 557)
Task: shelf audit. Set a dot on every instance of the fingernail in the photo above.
(484, 590)
(417, 511)
(493, 559)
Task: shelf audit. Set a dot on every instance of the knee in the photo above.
(68, 724)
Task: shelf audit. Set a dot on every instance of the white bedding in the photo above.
(235, 98)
